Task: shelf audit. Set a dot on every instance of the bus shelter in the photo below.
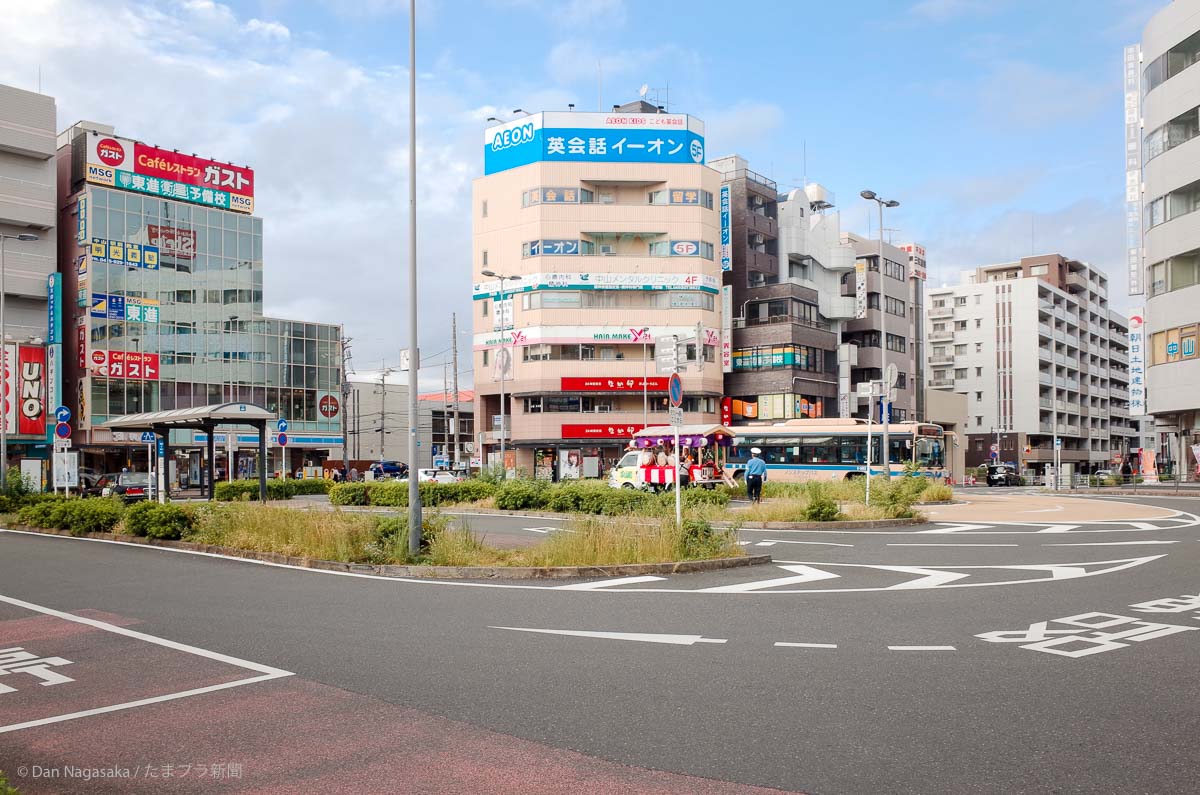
(206, 419)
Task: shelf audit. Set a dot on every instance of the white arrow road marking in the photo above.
(954, 545)
(804, 573)
(592, 586)
(806, 645)
(644, 637)
(765, 544)
(956, 528)
(932, 577)
(817, 543)
(1108, 543)
(1058, 528)
(922, 648)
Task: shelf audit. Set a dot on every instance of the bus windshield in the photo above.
(929, 453)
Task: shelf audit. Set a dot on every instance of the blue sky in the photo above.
(992, 121)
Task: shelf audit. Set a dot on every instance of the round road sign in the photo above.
(282, 425)
(62, 414)
(62, 430)
(283, 440)
(675, 390)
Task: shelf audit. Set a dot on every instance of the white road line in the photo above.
(507, 516)
(1045, 510)
(954, 545)
(921, 648)
(932, 579)
(143, 702)
(1109, 543)
(805, 574)
(644, 637)
(956, 528)
(591, 586)
(815, 543)
(806, 645)
(766, 543)
(266, 671)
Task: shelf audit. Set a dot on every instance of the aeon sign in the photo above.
(513, 136)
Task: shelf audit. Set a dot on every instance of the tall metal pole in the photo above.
(454, 365)
(3, 377)
(414, 494)
(645, 378)
(345, 400)
(445, 406)
(503, 369)
(885, 402)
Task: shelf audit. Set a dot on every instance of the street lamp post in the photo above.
(503, 365)
(886, 402)
(26, 238)
(645, 379)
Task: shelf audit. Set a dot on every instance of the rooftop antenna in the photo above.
(642, 91)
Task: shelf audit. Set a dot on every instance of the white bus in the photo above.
(836, 449)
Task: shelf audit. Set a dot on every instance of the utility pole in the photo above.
(454, 366)
(414, 495)
(445, 407)
(345, 404)
(384, 372)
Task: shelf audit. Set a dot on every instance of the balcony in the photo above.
(24, 203)
(1118, 356)
(940, 311)
(941, 360)
(761, 224)
(772, 320)
(1118, 392)
(762, 262)
(941, 383)
(940, 336)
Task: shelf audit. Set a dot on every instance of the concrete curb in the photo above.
(860, 524)
(431, 572)
(1163, 492)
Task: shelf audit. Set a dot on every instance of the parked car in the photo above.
(425, 475)
(129, 486)
(1001, 475)
(389, 469)
(1103, 474)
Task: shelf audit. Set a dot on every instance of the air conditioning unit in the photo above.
(608, 250)
(758, 240)
(758, 201)
(603, 408)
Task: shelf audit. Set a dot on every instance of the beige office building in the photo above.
(606, 231)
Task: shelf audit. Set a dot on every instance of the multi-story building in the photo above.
(605, 230)
(27, 234)
(796, 299)
(1162, 89)
(162, 265)
(377, 423)
(1039, 355)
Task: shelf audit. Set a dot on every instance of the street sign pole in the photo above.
(675, 392)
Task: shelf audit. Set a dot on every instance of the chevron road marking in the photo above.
(643, 637)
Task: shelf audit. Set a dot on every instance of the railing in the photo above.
(940, 336)
(938, 383)
(940, 311)
(942, 360)
(747, 322)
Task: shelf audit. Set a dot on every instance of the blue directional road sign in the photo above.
(62, 414)
(282, 425)
(162, 447)
(675, 390)
(282, 439)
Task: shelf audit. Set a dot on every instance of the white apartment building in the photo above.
(1039, 355)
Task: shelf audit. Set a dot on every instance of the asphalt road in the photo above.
(854, 664)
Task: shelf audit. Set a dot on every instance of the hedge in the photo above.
(76, 516)
(277, 488)
(158, 521)
(395, 494)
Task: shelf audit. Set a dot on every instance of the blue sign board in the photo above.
(118, 252)
(109, 307)
(675, 390)
(1172, 348)
(1189, 346)
(162, 447)
(880, 412)
(593, 138)
(62, 430)
(283, 439)
(148, 437)
(62, 414)
(282, 425)
(54, 308)
(726, 231)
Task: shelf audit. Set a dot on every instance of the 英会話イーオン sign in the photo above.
(593, 138)
(130, 165)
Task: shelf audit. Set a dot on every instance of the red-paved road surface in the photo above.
(287, 735)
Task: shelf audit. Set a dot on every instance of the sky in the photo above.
(997, 124)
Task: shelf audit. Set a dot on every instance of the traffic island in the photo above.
(423, 571)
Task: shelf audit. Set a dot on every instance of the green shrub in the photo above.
(698, 539)
(277, 488)
(5, 787)
(820, 505)
(152, 520)
(698, 496)
(390, 493)
(15, 484)
(389, 543)
(309, 486)
(137, 518)
(522, 494)
(74, 515)
(230, 490)
(938, 492)
(37, 514)
(348, 494)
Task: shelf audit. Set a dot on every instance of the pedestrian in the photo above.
(353, 474)
(756, 473)
(660, 457)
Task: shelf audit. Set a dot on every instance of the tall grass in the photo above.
(325, 535)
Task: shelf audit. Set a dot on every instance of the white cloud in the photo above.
(1016, 94)
(270, 30)
(942, 10)
(578, 13)
(327, 138)
(729, 129)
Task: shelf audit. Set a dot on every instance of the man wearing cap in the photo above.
(756, 473)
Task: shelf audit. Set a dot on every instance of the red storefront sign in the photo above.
(82, 340)
(329, 407)
(599, 431)
(192, 170)
(726, 411)
(653, 384)
(125, 364)
(172, 242)
(31, 372)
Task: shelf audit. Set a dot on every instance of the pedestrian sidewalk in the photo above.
(974, 506)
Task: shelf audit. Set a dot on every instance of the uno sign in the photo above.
(25, 413)
(329, 407)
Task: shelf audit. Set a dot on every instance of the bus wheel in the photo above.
(854, 475)
(627, 485)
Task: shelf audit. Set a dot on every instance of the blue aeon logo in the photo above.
(514, 136)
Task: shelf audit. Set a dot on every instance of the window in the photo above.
(1039, 270)
(1175, 273)
(979, 372)
(978, 322)
(896, 343)
(483, 209)
(1178, 130)
(960, 350)
(979, 347)
(977, 302)
(659, 248)
(939, 303)
(978, 397)
(485, 259)
(1171, 63)
(960, 300)
(535, 353)
(658, 197)
(485, 358)
(706, 200)
(978, 421)
(895, 306)
(960, 325)
(960, 372)
(893, 270)
(484, 307)
(706, 249)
